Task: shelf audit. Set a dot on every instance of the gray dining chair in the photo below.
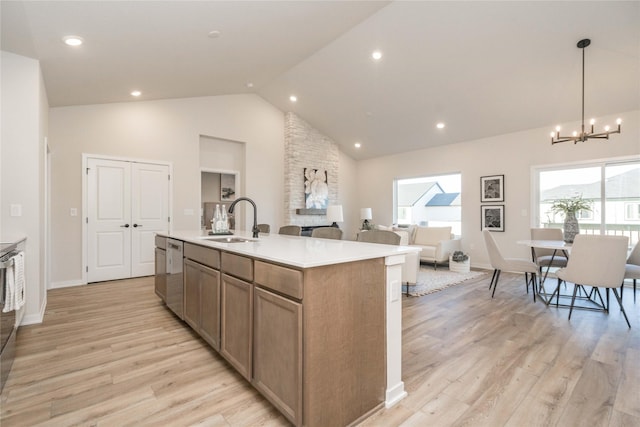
(379, 236)
(500, 263)
(632, 268)
(327, 233)
(597, 261)
(547, 257)
(290, 230)
(264, 228)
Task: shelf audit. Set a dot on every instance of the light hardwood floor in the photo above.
(111, 354)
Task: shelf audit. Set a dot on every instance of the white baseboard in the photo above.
(36, 318)
(66, 284)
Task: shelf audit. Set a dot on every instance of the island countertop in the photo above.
(301, 252)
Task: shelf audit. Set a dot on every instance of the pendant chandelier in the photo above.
(584, 133)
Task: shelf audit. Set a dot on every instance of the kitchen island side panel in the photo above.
(344, 342)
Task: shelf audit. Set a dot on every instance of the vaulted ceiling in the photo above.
(482, 68)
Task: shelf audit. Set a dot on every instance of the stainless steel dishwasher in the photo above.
(175, 286)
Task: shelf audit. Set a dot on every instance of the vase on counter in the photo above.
(571, 227)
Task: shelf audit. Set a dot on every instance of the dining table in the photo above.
(564, 248)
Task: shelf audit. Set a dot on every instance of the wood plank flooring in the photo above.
(111, 354)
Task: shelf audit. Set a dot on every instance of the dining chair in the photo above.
(632, 268)
(327, 233)
(547, 257)
(290, 230)
(597, 261)
(411, 266)
(379, 236)
(264, 228)
(500, 263)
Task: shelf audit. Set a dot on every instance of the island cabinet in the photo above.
(161, 268)
(202, 292)
(311, 340)
(277, 338)
(237, 312)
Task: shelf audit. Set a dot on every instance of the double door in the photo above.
(127, 204)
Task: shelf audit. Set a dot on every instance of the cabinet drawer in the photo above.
(281, 279)
(161, 242)
(238, 266)
(207, 256)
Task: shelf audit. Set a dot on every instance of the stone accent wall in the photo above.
(305, 147)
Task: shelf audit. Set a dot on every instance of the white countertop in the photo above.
(301, 252)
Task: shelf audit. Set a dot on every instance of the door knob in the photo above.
(137, 225)
(125, 226)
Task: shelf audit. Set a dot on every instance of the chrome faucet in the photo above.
(232, 206)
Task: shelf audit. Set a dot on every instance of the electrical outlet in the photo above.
(73, 212)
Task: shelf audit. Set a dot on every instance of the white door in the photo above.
(126, 204)
(149, 214)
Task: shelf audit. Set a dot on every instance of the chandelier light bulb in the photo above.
(558, 128)
(592, 122)
(606, 128)
(553, 134)
(619, 122)
(575, 133)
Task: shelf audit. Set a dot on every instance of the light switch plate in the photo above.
(73, 212)
(395, 290)
(16, 210)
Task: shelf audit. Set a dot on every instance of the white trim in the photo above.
(67, 284)
(33, 319)
(85, 209)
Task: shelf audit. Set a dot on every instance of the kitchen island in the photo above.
(313, 324)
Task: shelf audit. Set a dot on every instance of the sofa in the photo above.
(435, 243)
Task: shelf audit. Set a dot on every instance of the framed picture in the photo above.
(316, 188)
(492, 217)
(492, 188)
(227, 187)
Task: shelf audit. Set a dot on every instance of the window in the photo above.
(632, 211)
(429, 200)
(611, 188)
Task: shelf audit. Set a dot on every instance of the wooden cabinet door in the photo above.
(277, 352)
(236, 323)
(210, 306)
(192, 272)
(161, 274)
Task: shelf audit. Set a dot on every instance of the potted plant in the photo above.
(459, 262)
(459, 256)
(569, 207)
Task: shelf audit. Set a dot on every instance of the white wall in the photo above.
(24, 129)
(166, 130)
(513, 155)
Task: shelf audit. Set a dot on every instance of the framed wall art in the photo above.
(492, 217)
(492, 188)
(227, 187)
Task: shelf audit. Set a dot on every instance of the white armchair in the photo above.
(436, 244)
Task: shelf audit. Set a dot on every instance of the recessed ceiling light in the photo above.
(136, 93)
(249, 85)
(72, 40)
(357, 145)
(214, 34)
(377, 55)
(440, 125)
(293, 98)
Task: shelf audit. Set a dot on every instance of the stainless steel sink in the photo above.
(229, 239)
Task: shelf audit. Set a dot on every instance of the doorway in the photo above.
(126, 204)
